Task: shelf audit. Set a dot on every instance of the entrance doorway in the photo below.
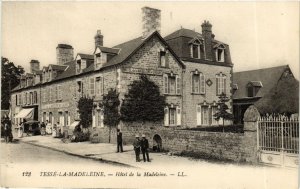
(157, 143)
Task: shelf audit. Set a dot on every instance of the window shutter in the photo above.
(94, 120)
(224, 83)
(159, 58)
(202, 84)
(198, 114)
(217, 86)
(165, 84)
(102, 85)
(167, 59)
(102, 118)
(178, 110)
(178, 84)
(192, 83)
(166, 118)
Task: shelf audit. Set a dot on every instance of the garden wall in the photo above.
(237, 147)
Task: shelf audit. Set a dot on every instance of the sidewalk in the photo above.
(104, 152)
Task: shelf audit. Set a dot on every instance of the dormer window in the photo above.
(197, 49)
(253, 87)
(220, 52)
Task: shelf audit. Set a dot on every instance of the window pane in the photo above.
(195, 51)
(205, 115)
(172, 86)
(172, 116)
(196, 82)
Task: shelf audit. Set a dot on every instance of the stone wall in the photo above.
(238, 147)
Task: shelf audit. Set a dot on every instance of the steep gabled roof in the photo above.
(267, 76)
(130, 47)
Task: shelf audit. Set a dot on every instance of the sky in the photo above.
(260, 35)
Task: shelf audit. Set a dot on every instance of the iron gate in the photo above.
(278, 140)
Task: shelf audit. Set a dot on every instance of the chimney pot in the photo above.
(98, 39)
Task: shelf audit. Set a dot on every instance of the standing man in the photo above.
(145, 147)
(137, 147)
(119, 141)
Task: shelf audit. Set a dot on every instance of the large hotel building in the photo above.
(191, 69)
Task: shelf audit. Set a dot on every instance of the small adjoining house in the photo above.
(254, 86)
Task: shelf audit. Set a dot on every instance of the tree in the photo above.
(143, 102)
(222, 111)
(282, 98)
(110, 105)
(85, 107)
(10, 78)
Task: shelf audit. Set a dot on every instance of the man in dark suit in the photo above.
(144, 148)
(119, 141)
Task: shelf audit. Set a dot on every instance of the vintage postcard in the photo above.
(149, 94)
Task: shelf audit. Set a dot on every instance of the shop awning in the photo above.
(26, 113)
(74, 124)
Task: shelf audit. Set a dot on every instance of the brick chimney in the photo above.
(98, 39)
(64, 53)
(34, 66)
(151, 21)
(207, 35)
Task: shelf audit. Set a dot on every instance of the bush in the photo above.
(80, 136)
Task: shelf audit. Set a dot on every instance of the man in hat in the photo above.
(137, 147)
(119, 141)
(145, 147)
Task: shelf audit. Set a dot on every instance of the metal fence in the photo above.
(278, 133)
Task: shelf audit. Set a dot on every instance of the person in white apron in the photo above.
(20, 130)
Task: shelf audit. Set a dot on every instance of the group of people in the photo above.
(139, 145)
(7, 129)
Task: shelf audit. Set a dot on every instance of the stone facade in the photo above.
(238, 147)
(210, 96)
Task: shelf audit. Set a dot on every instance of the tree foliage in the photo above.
(143, 102)
(85, 107)
(110, 105)
(10, 78)
(222, 111)
(282, 98)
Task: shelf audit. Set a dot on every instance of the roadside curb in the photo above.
(81, 156)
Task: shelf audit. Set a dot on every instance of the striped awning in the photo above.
(26, 113)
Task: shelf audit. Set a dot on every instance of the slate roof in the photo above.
(125, 50)
(86, 56)
(38, 72)
(57, 67)
(186, 33)
(109, 50)
(267, 76)
(69, 71)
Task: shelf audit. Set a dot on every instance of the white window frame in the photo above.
(220, 84)
(177, 116)
(166, 85)
(201, 84)
(99, 86)
(92, 86)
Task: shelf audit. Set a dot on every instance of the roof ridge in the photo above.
(286, 65)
